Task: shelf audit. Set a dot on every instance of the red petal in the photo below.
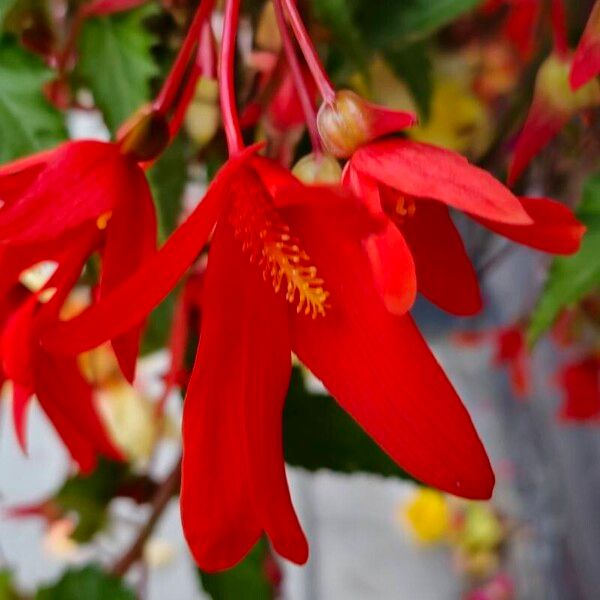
(130, 240)
(445, 275)
(78, 183)
(543, 124)
(68, 401)
(586, 62)
(581, 383)
(393, 269)
(131, 303)
(234, 482)
(17, 176)
(554, 229)
(21, 401)
(425, 171)
(379, 368)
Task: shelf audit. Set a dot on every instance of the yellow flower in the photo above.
(428, 516)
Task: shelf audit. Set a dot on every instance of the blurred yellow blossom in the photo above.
(428, 516)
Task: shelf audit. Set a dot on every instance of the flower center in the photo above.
(269, 242)
(404, 208)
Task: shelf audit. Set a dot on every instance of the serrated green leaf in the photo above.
(395, 23)
(28, 122)
(116, 62)
(89, 583)
(572, 278)
(246, 581)
(318, 434)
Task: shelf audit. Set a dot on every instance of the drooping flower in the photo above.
(413, 184)
(60, 208)
(580, 381)
(554, 105)
(586, 62)
(286, 272)
(512, 352)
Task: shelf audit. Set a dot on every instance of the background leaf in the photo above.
(89, 583)
(573, 277)
(246, 581)
(318, 434)
(395, 23)
(28, 122)
(116, 62)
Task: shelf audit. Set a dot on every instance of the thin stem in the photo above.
(310, 53)
(310, 115)
(172, 84)
(159, 502)
(229, 112)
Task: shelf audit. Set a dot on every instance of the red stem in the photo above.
(310, 115)
(229, 113)
(310, 53)
(172, 84)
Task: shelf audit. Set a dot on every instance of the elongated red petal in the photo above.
(393, 269)
(586, 62)
(78, 183)
(554, 229)
(445, 275)
(130, 240)
(541, 127)
(234, 484)
(425, 171)
(17, 176)
(67, 399)
(21, 401)
(129, 304)
(381, 371)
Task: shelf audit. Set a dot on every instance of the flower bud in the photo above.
(350, 122)
(314, 168)
(145, 135)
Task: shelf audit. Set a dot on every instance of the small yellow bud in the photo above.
(314, 168)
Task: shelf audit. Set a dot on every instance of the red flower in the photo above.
(286, 272)
(581, 384)
(586, 62)
(511, 351)
(413, 184)
(61, 207)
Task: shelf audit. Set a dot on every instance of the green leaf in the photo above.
(395, 23)
(88, 496)
(167, 179)
(246, 581)
(7, 590)
(116, 62)
(5, 6)
(413, 65)
(318, 434)
(572, 278)
(28, 122)
(89, 583)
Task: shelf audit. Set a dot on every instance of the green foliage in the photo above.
(246, 581)
(5, 6)
(88, 496)
(572, 278)
(28, 122)
(318, 434)
(116, 62)
(7, 590)
(89, 583)
(167, 179)
(393, 24)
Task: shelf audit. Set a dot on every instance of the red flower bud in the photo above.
(350, 122)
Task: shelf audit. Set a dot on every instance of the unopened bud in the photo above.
(145, 135)
(349, 122)
(314, 168)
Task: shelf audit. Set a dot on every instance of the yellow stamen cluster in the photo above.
(405, 208)
(269, 242)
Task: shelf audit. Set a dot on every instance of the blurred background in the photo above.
(526, 367)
